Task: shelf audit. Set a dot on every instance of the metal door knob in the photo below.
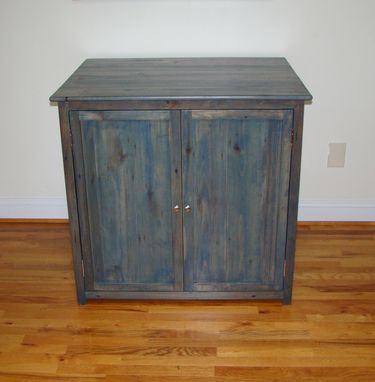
(187, 208)
(176, 209)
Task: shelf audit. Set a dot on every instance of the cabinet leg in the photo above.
(287, 299)
(81, 298)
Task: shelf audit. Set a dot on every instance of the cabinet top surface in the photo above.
(183, 78)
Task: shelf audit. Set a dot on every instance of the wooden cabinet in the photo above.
(182, 177)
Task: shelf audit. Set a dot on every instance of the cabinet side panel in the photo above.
(70, 185)
(282, 181)
(295, 170)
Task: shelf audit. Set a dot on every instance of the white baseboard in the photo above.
(336, 210)
(33, 208)
(309, 210)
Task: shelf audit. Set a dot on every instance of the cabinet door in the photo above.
(236, 168)
(128, 177)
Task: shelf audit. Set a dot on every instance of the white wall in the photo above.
(330, 44)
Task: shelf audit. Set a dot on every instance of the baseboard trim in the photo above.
(34, 221)
(309, 210)
(33, 208)
(336, 210)
(300, 224)
(333, 223)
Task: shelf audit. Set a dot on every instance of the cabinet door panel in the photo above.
(236, 179)
(127, 169)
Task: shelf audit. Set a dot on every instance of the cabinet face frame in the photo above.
(65, 129)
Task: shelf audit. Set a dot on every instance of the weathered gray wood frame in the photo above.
(71, 190)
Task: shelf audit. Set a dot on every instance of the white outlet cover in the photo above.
(336, 156)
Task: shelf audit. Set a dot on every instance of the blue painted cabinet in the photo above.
(194, 206)
(182, 176)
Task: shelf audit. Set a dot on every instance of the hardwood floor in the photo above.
(327, 334)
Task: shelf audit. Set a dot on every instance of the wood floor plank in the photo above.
(305, 374)
(327, 334)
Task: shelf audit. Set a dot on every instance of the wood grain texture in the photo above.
(236, 179)
(190, 104)
(294, 183)
(327, 335)
(34, 221)
(128, 178)
(127, 161)
(183, 78)
(72, 200)
(104, 188)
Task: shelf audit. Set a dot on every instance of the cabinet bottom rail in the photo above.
(258, 295)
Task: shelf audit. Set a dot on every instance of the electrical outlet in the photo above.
(336, 156)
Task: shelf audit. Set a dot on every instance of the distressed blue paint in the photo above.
(127, 162)
(233, 179)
